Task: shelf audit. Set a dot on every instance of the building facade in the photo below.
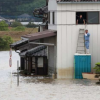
(63, 15)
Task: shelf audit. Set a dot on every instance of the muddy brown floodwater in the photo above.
(40, 88)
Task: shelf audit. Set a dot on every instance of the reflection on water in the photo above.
(40, 88)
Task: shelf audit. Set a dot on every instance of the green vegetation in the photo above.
(15, 24)
(17, 7)
(3, 26)
(5, 41)
(97, 70)
(31, 25)
(19, 28)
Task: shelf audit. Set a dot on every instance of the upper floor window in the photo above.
(87, 18)
(49, 17)
(53, 17)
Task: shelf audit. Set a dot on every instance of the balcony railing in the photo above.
(78, 1)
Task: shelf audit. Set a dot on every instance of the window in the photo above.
(87, 17)
(53, 18)
(40, 62)
(93, 17)
(49, 17)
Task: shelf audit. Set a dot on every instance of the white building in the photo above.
(63, 19)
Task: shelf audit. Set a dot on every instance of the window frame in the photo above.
(87, 17)
(90, 12)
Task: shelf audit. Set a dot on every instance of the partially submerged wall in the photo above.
(51, 55)
(67, 35)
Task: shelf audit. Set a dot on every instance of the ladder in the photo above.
(81, 43)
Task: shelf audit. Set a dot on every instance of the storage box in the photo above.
(82, 65)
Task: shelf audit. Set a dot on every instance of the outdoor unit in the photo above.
(82, 64)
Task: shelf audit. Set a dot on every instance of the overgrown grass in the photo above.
(19, 28)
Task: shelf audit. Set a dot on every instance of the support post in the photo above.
(17, 73)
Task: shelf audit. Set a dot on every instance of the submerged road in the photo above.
(38, 88)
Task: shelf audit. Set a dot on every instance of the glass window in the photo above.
(93, 17)
(40, 62)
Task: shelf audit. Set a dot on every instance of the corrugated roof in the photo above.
(37, 51)
(39, 35)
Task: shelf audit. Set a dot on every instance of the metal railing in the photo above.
(78, 0)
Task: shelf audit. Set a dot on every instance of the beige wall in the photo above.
(67, 35)
(51, 54)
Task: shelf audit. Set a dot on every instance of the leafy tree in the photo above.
(17, 7)
(3, 26)
(16, 23)
(5, 41)
(31, 25)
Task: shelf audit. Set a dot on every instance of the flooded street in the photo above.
(39, 88)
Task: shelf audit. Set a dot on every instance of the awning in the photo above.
(19, 43)
(37, 51)
(40, 35)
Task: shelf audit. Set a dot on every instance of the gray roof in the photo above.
(18, 43)
(37, 51)
(24, 15)
(2, 18)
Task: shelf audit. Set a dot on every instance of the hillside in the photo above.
(18, 7)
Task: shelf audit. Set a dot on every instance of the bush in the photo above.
(97, 69)
(31, 25)
(5, 41)
(3, 26)
(19, 28)
(16, 23)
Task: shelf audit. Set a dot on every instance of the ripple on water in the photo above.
(40, 88)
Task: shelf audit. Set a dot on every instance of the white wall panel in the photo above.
(73, 18)
(98, 43)
(67, 36)
(59, 51)
(64, 14)
(95, 46)
(69, 18)
(64, 51)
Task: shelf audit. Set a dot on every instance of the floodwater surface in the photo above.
(40, 88)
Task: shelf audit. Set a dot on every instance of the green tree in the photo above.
(5, 41)
(16, 23)
(31, 25)
(3, 26)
